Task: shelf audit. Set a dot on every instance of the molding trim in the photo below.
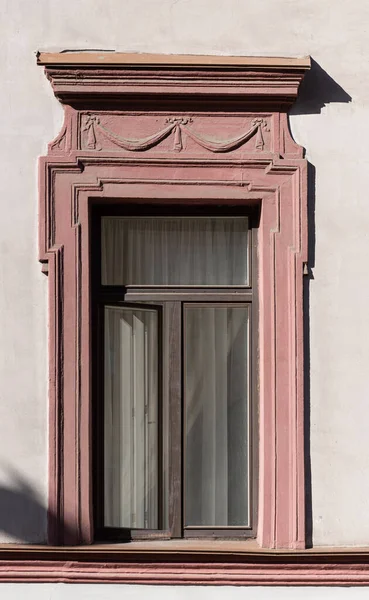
(77, 74)
(95, 59)
(257, 165)
(184, 568)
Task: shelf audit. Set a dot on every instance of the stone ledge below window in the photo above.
(185, 563)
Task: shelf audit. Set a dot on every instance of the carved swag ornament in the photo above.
(93, 126)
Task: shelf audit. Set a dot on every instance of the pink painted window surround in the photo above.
(183, 131)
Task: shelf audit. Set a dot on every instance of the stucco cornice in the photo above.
(75, 75)
(122, 58)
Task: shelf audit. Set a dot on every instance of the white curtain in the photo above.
(131, 418)
(174, 251)
(216, 408)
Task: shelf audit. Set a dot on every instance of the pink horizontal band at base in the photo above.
(277, 570)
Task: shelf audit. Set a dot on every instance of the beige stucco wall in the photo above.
(335, 34)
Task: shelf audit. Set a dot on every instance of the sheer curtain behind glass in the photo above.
(174, 251)
(217, 416)
(131, 418)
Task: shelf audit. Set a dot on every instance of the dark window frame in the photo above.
(170, 301)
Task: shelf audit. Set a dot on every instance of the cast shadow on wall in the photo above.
(23, 515)
(22, 512)
(316, 91)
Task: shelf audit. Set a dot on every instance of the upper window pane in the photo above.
(174, 251)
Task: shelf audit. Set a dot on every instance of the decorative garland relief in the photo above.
(92, 126)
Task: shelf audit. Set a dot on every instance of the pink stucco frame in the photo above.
(175, 130)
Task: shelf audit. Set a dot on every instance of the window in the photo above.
(175, 300)
(167, 133)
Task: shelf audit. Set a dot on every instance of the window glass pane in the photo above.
(131, 466)
(174, 251)
(216, 416)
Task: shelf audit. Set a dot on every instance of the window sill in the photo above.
(184, 563)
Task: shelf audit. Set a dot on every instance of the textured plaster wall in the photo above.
(60, 591)
(334, 132)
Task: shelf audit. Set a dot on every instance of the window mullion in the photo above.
(173, 329)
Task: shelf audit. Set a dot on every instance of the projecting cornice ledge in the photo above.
(92, 75)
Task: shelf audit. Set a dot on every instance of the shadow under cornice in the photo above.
(318, 89)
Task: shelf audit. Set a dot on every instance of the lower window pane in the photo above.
(216, 416)
(131, 468)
